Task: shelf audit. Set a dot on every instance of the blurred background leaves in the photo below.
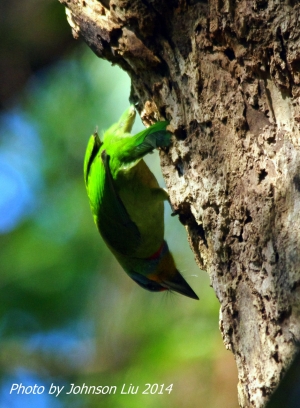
(69, 314)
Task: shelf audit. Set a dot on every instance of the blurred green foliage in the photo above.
(69, 314)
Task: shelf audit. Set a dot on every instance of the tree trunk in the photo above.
(226, 75)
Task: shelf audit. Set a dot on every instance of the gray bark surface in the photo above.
(226, 74)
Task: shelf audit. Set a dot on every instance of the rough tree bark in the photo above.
(226, 74)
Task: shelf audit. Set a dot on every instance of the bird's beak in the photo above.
(180, 285)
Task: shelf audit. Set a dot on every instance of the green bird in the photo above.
(128, 204)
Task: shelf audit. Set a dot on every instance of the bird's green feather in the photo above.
(114, 223)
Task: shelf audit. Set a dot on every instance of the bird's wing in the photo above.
(114, 222)
(92, 149)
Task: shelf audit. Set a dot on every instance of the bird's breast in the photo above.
(137, 189)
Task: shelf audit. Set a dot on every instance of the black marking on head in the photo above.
(148, 284)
